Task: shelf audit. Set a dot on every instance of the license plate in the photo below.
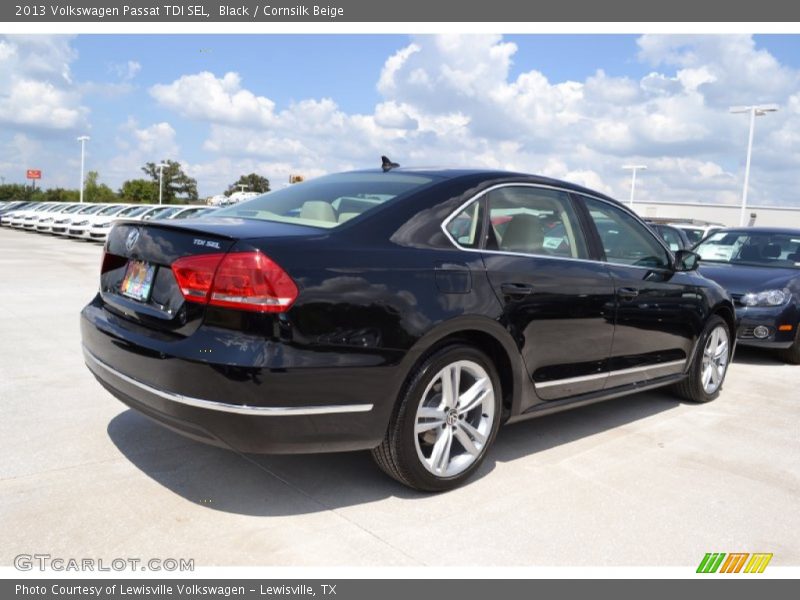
(138, 280)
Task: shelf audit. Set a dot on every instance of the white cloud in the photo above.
(217, 99)
(444, 100)
(36, 87)
(139, 145)
(126, 71)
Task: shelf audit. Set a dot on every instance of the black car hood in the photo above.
(740, 279)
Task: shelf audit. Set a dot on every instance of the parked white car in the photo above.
(80, 228)
(695, 233)
(45, 220)
(102, 225)
(142, 212)
(192, 212)
(61, 225)
(30, 220)
(19, 219)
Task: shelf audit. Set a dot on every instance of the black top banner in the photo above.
(496, 11)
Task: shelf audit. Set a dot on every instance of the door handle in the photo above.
(516, 289)
(627, 293)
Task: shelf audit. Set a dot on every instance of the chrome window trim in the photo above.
(614, 373)
(479, 195)
(264, 411)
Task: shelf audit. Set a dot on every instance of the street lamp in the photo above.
(756, 110)
(161, 167)
(82, 139)
(633, 169)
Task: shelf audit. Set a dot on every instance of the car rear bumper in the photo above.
(773, 319)
(248, 409)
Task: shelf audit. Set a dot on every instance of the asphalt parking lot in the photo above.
(643, 480)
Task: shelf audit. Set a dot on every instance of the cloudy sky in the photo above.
(576, 107)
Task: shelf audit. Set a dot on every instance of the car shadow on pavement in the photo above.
(758, 356)
(298, 484)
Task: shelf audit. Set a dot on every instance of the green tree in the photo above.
(139, 190)
(254, 183)
(17, 191)
(93, 191)
(177, 185)
(60, 195)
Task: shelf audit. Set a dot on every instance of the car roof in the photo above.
(444, 173)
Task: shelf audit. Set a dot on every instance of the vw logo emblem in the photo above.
(131, 240)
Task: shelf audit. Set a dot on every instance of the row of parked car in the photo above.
(88, 221)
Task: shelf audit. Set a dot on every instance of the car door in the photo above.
(557, 304)
(658, 311)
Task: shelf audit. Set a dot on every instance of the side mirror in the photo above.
(686, 260)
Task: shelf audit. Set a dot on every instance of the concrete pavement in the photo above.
(643, 480)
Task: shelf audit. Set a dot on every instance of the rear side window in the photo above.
(671, 237)
(328, 201)
(532, 220)
(625, 240)
(465, 228)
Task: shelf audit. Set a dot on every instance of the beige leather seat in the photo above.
(346, 216)
(523, 233)
(318, 210)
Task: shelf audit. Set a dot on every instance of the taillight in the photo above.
(195, 274)
(242, 280)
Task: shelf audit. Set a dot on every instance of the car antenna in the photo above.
(388, 165)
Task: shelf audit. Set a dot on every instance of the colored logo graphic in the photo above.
(734, 562)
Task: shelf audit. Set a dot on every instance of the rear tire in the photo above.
(710, 363)
(447, 418)
(792, 354)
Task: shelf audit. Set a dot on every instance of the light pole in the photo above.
(756, 110)
(82, 139)
(633, 169)
(161, 180)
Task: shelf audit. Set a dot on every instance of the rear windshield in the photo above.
(327, 201)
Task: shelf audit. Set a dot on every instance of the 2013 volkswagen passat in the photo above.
(409, 312)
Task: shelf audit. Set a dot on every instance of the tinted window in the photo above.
(625, 240)
(109, 210)
(132, 211)
(327, 201)
(533, 220)
(465, 228)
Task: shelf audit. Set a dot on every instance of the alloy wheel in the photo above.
(715, 359)
(454, 418)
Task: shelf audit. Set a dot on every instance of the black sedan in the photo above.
(409, 312)
(760, 267)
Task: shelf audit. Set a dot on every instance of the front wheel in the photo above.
(447, 419)
(709, 365)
